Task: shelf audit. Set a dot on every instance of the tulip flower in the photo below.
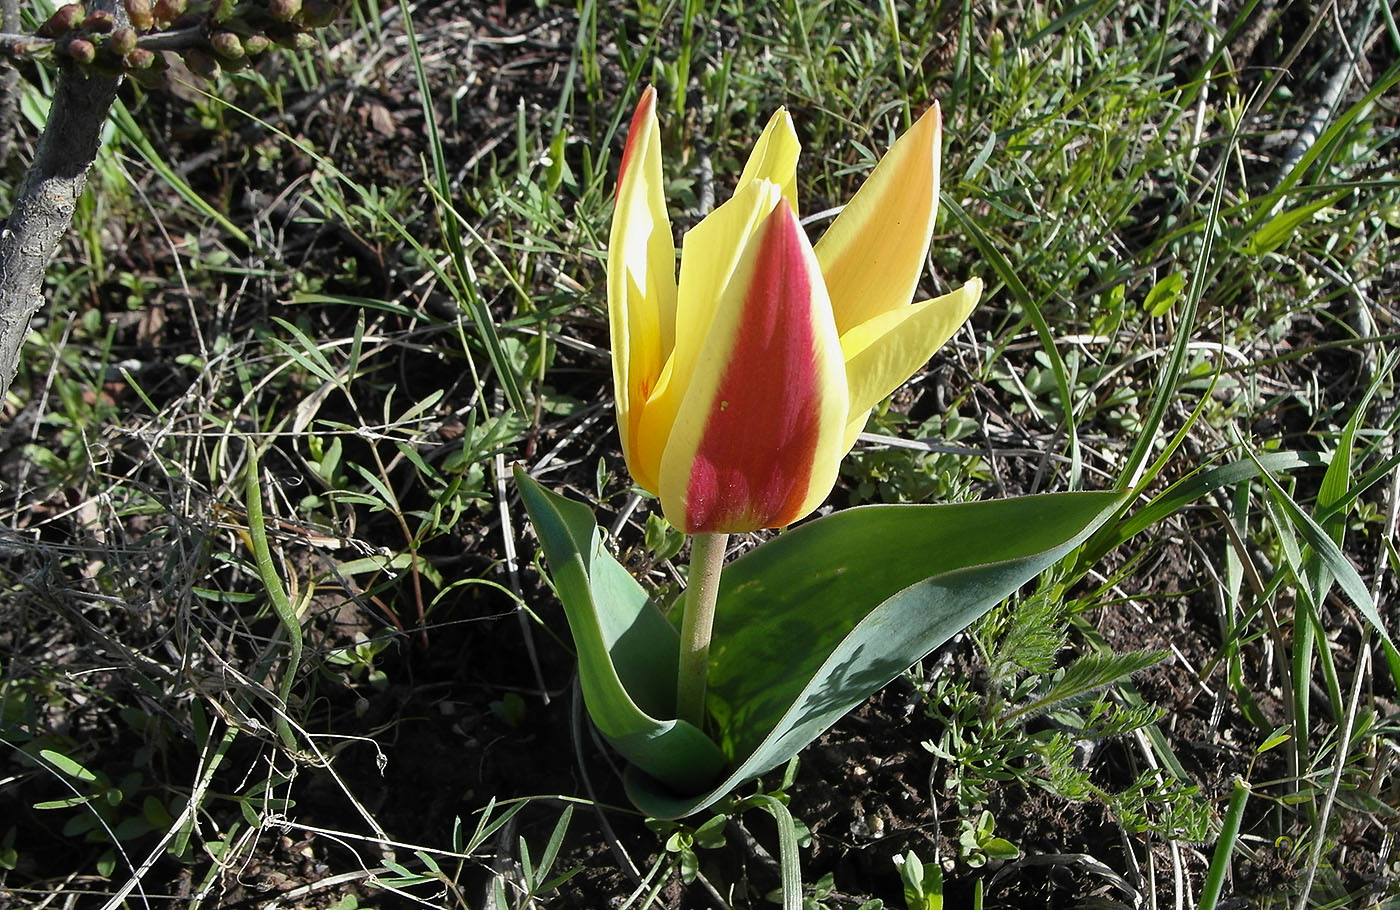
(743, 383)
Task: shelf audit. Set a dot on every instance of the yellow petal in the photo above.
(874, 251)
(641, 280)
(883, 352)
(757, 440)
(774, 157)
(710, 252)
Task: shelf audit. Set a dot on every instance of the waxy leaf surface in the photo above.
(627, 651)
(807, 627)
(813, 622)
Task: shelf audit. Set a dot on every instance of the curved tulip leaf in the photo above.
(812, 623)
(627, 651)
(807, 627)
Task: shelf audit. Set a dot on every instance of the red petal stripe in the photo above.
(754, 461)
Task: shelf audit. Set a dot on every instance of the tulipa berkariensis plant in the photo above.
(740, 387)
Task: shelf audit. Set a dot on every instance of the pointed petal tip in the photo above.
(971, 292)
(646, 104)
(774, 156)
(932, 121)
(873, 253)
(784, 211)
(642, 118)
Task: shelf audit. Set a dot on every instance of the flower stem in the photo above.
(702, 590)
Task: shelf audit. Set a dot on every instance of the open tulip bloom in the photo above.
(741, 384)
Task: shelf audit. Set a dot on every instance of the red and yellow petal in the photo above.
(757, 439)
(873, 253)
(641, 277)
(710, 253)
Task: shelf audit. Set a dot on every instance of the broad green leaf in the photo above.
(813, 622)
(67, 765)
(1163, 294)
(807, 626)
(627, 651)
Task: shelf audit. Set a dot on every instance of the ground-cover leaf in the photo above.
(67, 765)
(1163, 294)
(1285, 224)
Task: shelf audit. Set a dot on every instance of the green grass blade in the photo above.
(1324, 144)
(787, 851)
(466, 276)
(1348, 580)
(133, 135)
(276, 593)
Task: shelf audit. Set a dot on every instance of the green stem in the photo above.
(1229, 836)
(702, 590)
(267, 572)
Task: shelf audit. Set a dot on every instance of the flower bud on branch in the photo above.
(100, 22)
(81, 50)
(140, 59)
(64, 20)
(122, 41)
(141, 14)
(223, 34)
(227, 46)
(166, 12)
(284, 10)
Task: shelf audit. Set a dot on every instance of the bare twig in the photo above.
(16, 45)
